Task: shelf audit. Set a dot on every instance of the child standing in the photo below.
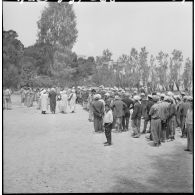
(108, 119)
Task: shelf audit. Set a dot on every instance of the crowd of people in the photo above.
(50, 99)
(113, 109)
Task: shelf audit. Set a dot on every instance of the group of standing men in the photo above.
(163, 112)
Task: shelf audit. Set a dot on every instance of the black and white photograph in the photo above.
(97, 96)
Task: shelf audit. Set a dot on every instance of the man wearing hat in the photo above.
(144, 102)
(147, 118)
(182, 112)
(136, 117)
(178, 120)
(164, 114)
(155, 121)
(118, 107)
(107, 98)
(98, 113)
(171, 119)
(189, 125)
(125, 120)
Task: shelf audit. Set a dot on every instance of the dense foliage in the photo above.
(51, 61)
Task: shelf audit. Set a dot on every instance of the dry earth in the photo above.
(61, 153)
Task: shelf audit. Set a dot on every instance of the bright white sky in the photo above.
(117, 26)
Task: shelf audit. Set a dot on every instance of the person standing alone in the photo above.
(108, 119)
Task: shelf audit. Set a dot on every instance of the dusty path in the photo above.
(60, 153)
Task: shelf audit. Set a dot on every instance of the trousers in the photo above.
(183, 129)
(108, 129)
(125, 122)
(98, 124)
(135, 124)
(156, 130)
(146, 120)
(163, 130)
(190, 137)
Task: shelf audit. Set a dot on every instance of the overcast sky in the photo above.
(116, 26)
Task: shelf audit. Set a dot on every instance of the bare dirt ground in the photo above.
(60, 153)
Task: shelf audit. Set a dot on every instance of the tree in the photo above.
(162, 68)
(61, 70)
(57, 25)
(153, 73)
(85, 70)
(57, 29)
(43, 56)
(144, 68)
(10, 76)
(12, 54)
(28, 71)
(134, 68)
(187, 74)
(106, 55)
(42, 81)
(175, 67)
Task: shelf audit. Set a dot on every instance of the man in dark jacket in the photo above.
(125, 119)
(52, 98)
(155, 121)
(147, 117)
(164, 113)
(118, 107)
(136, 117)
(171, 120)
(98, 112)
(144, 102)
(182, 112)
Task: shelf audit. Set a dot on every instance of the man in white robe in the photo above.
(44, 102)
(63, 102)
(72, 101)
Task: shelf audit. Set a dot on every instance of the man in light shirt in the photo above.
(107, 120)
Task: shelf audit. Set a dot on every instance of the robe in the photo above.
(63, 103)
(72, 102)
(44, 102)
(98, 112)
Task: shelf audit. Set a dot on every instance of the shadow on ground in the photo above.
(173, 174)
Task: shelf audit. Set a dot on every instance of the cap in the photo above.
(117, 97)
(136, 97)
(155, 98)
(142, 94)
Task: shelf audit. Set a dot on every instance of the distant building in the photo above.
(82, 56)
